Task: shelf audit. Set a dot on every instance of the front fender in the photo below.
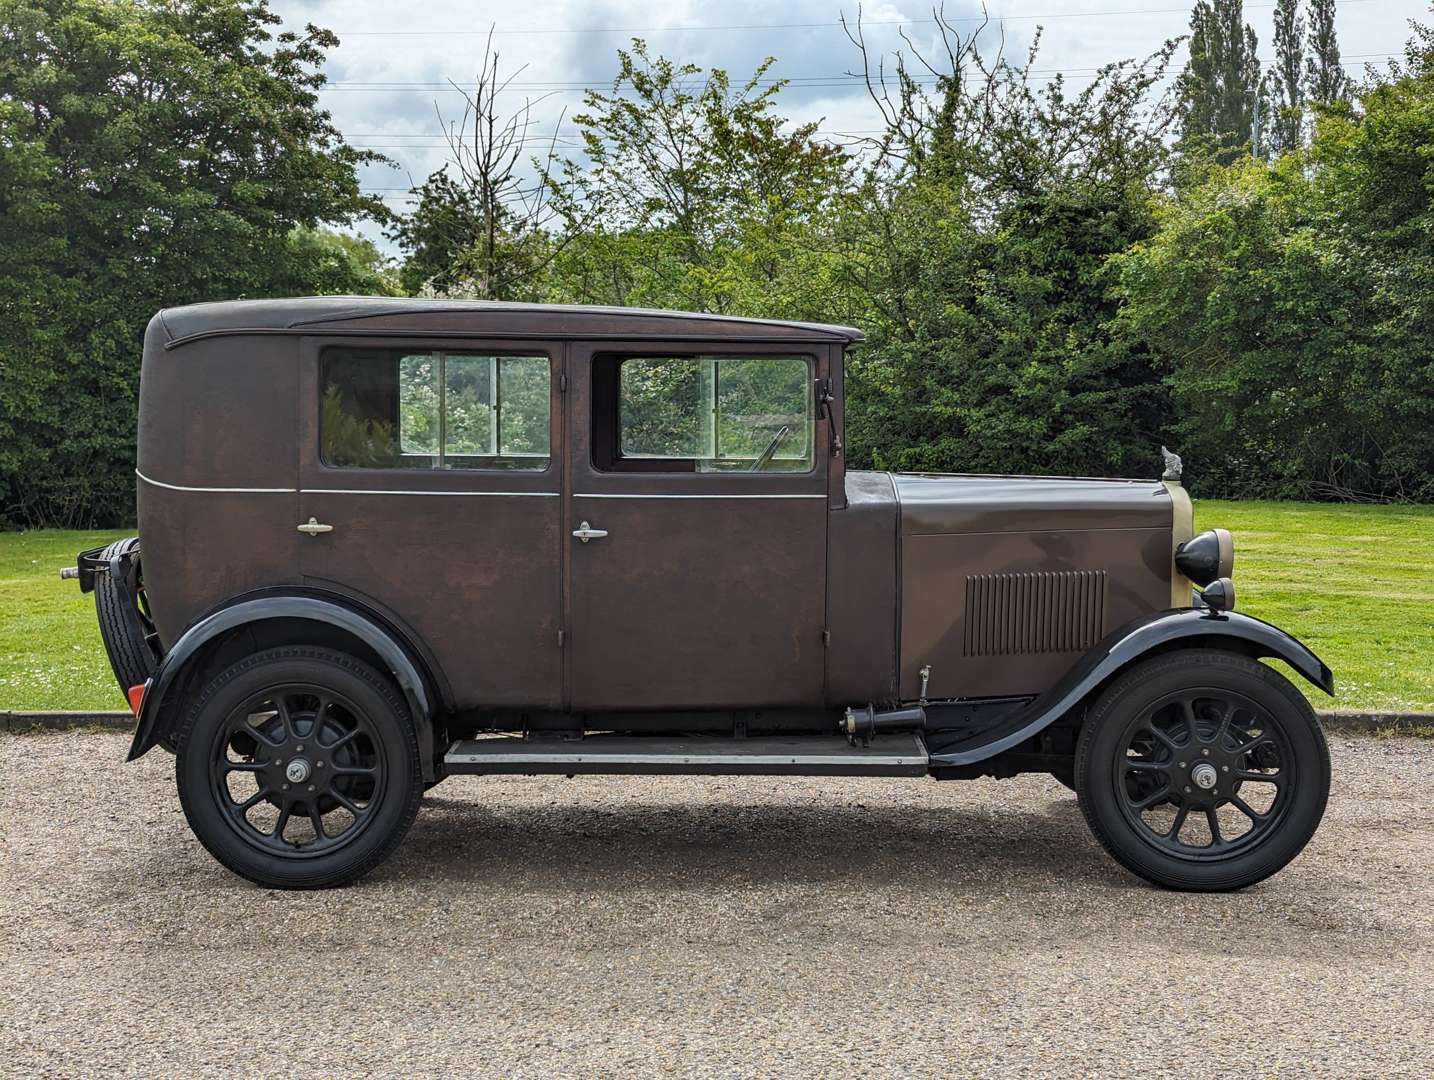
(1139, 638)
(260, 609)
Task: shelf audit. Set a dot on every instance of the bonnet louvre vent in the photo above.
(1041, 612)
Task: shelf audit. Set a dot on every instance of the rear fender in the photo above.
(1149, 635)
(159, 710)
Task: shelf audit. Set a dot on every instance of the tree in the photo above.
(327, 263)
(153, 153)
(480, 223)
(1324, 73)
(693, 193)
(1287, 79)
(1287, 307)
(1220, 92)
(977, 248)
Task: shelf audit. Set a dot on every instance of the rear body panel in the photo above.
(217, 489)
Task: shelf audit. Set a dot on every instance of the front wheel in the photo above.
(1202, 770)
(298, 768)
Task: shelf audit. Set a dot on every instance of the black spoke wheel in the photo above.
(1202, 770)
(298, 768)
(1195, 759)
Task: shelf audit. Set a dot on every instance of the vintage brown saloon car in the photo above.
(384, 541)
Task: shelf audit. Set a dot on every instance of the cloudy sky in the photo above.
(389, 75)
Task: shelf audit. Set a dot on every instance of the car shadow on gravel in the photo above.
(703, 845)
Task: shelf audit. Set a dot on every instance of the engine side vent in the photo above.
(1047, 611)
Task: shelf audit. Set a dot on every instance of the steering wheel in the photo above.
(766, 456)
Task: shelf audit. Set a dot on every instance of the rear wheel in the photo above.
(1202, 770)
(298, 768)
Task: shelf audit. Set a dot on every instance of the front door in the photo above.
(437, 470)
(696, 531)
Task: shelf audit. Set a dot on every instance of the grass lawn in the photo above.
(50, 651)
(1356, 583)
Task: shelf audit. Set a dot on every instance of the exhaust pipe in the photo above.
(865, 722)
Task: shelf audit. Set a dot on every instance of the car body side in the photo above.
(939, 587)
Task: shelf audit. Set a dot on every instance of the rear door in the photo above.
(696, 531)
(436, 466)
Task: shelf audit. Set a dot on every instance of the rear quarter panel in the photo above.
(218, 478)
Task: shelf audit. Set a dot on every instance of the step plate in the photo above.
(896, 754)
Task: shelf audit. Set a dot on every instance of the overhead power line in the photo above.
(809, 82)
(829, 25)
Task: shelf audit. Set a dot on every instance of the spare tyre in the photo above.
(125, 625)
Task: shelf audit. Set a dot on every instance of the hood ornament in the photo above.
(1173, 466)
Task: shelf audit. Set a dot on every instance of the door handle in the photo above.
(586, 532)
(312, 527)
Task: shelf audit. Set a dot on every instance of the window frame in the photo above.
(653, 463)
(441, 350)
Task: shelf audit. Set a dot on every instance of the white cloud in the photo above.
(383, 43)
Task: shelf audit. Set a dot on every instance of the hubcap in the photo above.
(1204, 774)
(298, 770)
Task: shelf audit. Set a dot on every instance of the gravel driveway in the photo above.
(708, 926)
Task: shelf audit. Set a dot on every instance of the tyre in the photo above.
(298, 768)
(125, 628)
(1202, 770)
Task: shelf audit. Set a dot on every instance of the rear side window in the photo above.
(714, 413)
(398, 409)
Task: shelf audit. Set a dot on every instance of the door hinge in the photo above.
(826, 637)
(562, 382)
(562, 636)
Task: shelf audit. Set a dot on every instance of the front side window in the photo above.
(716, 413)
(398, 409)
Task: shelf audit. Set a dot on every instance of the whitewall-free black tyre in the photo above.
(1202, 770)
(298, 768)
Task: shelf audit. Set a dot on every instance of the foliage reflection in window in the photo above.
(384, 408)
(726, 413)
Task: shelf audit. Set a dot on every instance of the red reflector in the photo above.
(136, 696)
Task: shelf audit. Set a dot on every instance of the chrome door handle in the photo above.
(313, 528)
(586, 532)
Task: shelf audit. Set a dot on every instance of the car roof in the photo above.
(399, 315)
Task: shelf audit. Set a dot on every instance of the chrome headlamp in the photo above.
(1207, 556)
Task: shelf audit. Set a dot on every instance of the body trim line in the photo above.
(221, 490)
(334, 491)
(400, 491)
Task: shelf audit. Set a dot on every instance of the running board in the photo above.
(897, 754)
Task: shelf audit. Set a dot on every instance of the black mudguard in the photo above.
(1137, 639)
(405, 669)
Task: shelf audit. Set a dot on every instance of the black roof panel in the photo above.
(397, 314)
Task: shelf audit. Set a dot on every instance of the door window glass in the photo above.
(395, 409)
(717, 413)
